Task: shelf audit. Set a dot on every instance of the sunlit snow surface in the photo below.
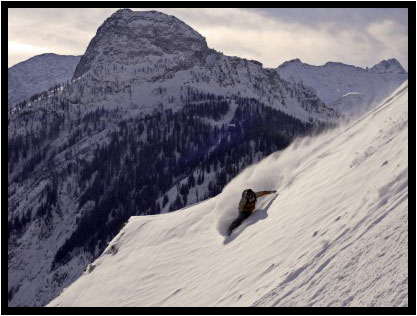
(336, 235)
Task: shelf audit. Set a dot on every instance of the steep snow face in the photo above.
(38, 74)
(333, 81)
(336, 235)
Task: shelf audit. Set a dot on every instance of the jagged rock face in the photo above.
(127, 37)
(133, 48)
(37, 74)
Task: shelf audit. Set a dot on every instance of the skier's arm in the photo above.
(262, 193)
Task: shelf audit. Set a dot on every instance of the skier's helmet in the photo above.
(249, 194)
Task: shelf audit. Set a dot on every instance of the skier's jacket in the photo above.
(249, 206)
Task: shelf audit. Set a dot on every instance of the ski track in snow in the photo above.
(336, 235)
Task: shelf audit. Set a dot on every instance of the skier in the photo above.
(246, 206)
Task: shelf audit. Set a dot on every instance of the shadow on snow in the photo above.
(256, 216)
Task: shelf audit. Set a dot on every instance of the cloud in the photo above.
(20, 51)
(360, 37)
(343, 36)
(391, 38)
(48, 30)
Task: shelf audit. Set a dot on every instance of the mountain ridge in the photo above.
(37, 74)
(385, 65)
(334, 81)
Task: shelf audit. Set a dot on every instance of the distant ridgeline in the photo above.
(39, 73)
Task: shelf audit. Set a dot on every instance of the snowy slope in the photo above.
(336, 235)
(339, 85)
(38, 74)
(138, 65)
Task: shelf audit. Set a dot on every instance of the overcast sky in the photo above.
(360, 37)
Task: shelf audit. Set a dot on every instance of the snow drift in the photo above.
(336, 235)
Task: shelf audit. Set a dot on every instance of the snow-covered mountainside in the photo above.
(38, 74)
(348, 89)
(336, 235)
(152, 121)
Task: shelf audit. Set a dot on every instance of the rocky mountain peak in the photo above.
(388, 66)
(127, 36)
(291, 62)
